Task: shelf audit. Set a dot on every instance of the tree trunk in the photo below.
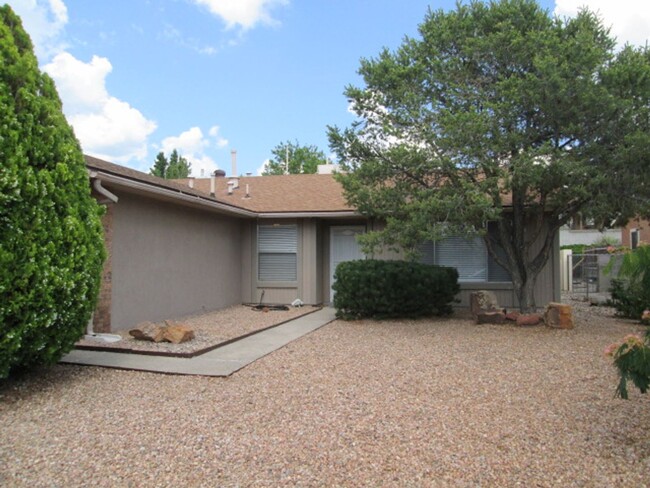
(525, 291)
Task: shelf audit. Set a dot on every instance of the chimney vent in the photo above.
(191, 182)
(219, 173)
(233, 158)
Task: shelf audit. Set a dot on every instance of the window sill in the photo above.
(277, 284)
(485, 285)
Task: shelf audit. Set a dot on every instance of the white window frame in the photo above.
(284, 249)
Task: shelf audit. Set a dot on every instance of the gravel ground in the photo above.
(409, 403)
(210, 329)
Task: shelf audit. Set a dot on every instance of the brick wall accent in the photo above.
(644, 232)
(102, 316)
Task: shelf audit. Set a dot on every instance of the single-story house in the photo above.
(178, 247)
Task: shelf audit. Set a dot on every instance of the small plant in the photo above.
(631, 290)
(632, 359)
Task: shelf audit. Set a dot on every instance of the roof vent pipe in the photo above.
(212, 183)
(233, 158)
(190, 181)
(231, 184)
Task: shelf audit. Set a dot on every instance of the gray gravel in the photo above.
(412, 403)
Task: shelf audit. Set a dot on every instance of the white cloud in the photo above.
(262, 168)
(220, 141)
(105, 126)
(193, 146)
(245, 13)
(44, 20)
(629, 19)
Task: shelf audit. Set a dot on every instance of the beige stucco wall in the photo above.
(170, 261)
(547, 286)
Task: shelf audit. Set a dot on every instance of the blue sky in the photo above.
(211, 76)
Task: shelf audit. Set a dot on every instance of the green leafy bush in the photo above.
(632, 359)
(51, 245)
(628, 298)
(393, 289)
(631, 290)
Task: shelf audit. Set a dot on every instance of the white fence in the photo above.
(585, 273)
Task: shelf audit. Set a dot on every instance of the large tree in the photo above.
(292, 158)
(174, 167)
(498, 112)
(51, 245)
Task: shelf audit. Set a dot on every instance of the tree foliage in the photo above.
(174, 167)
(498, 112)
(292, 158)
(51, 245)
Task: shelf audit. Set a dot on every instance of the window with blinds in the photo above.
(277, 248)
(468, 255)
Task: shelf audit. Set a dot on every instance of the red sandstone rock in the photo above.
(177, 333)
(529, 319)
(558, 316)
(512, 316)
(482, 301)
(494, 317)
(147, 331)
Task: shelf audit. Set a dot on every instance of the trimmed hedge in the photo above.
(379, 289)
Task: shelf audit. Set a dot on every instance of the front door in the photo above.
(343, 247)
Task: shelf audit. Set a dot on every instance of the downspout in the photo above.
(108, 198)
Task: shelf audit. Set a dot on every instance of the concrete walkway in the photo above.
(222, 361)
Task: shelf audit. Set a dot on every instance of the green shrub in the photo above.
(51, 246)
(628, 298)
(632, 359)
(631, 290)
(393, 289)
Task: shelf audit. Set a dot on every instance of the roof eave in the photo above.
(145, 187)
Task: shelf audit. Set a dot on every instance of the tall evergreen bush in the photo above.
(51, 245)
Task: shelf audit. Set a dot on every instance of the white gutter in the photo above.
(175, 194)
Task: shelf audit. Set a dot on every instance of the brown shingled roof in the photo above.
(267, 194)
(280, 193)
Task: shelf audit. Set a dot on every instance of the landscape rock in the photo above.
(512, 316)
(147, 331)
(528, 319)
(482, 301)
(493, 317)
(177, 333)
(558, 316)
(645, 317)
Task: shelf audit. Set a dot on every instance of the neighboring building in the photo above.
(583, 231)
(187, 246)
(636, 232)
